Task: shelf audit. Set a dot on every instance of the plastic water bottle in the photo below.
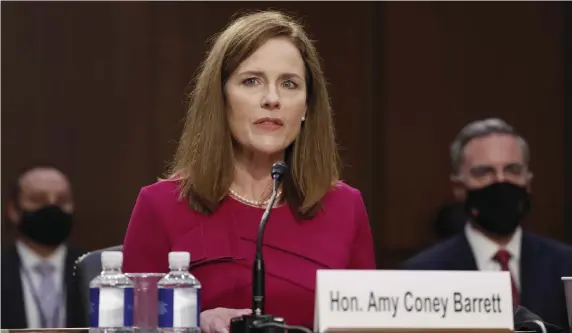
(111, 297)
(179, 297)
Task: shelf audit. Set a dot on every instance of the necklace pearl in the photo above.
(258, 204)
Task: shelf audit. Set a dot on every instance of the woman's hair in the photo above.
(204, 162)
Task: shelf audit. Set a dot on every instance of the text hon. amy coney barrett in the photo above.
(441, 305)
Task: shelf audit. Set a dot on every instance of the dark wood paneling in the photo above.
(568, 115)
(376, 137)
(99, 88)
(446, 64)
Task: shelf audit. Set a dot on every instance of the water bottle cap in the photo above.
(179, 259)
(111, 259)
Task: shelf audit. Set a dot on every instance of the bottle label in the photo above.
(179, 307)
(111, 307)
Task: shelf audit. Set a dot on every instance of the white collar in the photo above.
(485, 249)
(29, 258)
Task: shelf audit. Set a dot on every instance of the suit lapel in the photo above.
(12, 291)
(463, 257)
(13, 308)
(531, 270)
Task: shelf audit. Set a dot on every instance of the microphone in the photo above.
(258, 285)
(526, 320)
(258, 321)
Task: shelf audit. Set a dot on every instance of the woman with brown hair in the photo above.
(259, 97)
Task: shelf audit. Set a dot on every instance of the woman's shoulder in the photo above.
(344, 206)
(341, 190)
(342, 197)
(162, 189)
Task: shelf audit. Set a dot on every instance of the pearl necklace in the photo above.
(258, 204)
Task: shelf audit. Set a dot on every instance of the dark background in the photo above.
(98, 88)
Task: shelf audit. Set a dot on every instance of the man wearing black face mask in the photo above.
(38, 287)
(491, 177)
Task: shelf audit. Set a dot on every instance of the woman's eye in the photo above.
(290, 85)
(250, 81)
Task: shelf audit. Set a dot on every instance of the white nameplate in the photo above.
(392, 299)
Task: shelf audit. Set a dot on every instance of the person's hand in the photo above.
(218, 320)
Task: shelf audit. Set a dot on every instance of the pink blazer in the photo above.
(222, 247)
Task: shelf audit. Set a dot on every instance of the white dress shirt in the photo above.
(29, 259)
(485, 249)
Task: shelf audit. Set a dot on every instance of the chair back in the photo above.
(87, 267)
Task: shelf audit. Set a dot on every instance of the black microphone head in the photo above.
(279, 170)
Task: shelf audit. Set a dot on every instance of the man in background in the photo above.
(38, 286)
(491, 176)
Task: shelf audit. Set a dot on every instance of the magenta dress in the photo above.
(222, 247)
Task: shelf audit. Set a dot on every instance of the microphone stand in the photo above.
(258, 321)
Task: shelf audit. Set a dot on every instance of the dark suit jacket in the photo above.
(13, 310)
(543, 263)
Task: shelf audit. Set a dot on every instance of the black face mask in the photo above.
(48, 226)
(499, 207)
